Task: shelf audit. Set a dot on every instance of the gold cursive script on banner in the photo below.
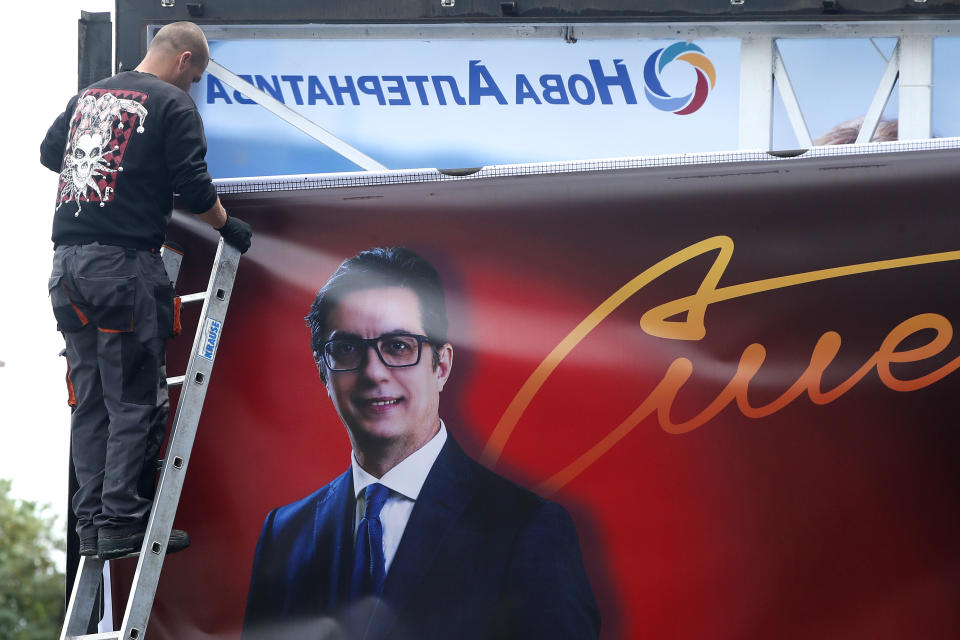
(656, 322)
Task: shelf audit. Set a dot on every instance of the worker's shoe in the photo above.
(88, 546)
(110, 547)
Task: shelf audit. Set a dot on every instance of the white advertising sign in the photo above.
(463, 103)
(445, 103)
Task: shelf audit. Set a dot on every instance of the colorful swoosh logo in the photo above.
(692, 55)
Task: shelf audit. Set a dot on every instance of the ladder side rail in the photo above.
(189, 406)
(172, 258)
(83, 599)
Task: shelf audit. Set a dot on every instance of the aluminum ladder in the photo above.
(193, 385)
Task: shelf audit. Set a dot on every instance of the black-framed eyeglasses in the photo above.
(393, 349)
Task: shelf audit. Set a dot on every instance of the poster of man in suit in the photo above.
(415, 539)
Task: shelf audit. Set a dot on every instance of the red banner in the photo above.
(735, 377)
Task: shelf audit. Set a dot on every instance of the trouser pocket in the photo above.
(112, 300)
(140, 364)
(69, 316)
(163, 293)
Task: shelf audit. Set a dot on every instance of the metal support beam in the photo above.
(95, 48)
(290, 116)
(790, 101)
(916, 86)
(880, 98)
(756, 93)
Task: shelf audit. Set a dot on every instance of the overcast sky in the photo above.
(40, 50)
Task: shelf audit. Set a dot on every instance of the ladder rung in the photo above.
(175, 381)
(193, 297)
(110, 635)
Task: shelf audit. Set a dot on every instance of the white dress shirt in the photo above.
(404, 481)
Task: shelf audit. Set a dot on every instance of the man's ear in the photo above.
(184, 60)
(444, 364)
(325, 379)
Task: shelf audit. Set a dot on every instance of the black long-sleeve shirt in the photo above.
(123, 146)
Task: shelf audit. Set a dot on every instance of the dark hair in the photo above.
(382, 267)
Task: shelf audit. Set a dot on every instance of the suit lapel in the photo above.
(334, 522)
(442, 499)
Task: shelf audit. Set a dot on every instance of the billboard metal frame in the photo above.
(758, 25)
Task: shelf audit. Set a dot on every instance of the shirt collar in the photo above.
(406, 478)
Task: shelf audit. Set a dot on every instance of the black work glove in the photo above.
(236, 233)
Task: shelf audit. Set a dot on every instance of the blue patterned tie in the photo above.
(368, 562)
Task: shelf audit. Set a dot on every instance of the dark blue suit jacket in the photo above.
(480, 558)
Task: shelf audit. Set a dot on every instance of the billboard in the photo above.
(432, 100)
(735, 376)
(471, 102)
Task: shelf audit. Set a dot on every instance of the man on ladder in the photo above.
(122, 147)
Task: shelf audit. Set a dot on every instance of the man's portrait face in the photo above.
(382, 405)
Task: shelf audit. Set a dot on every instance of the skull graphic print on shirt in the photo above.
(101, 126)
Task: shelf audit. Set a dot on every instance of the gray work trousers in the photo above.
(114, 307)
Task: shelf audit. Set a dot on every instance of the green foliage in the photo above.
(31, 586)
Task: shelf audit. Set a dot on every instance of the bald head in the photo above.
(177, 37)
(178, 54)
